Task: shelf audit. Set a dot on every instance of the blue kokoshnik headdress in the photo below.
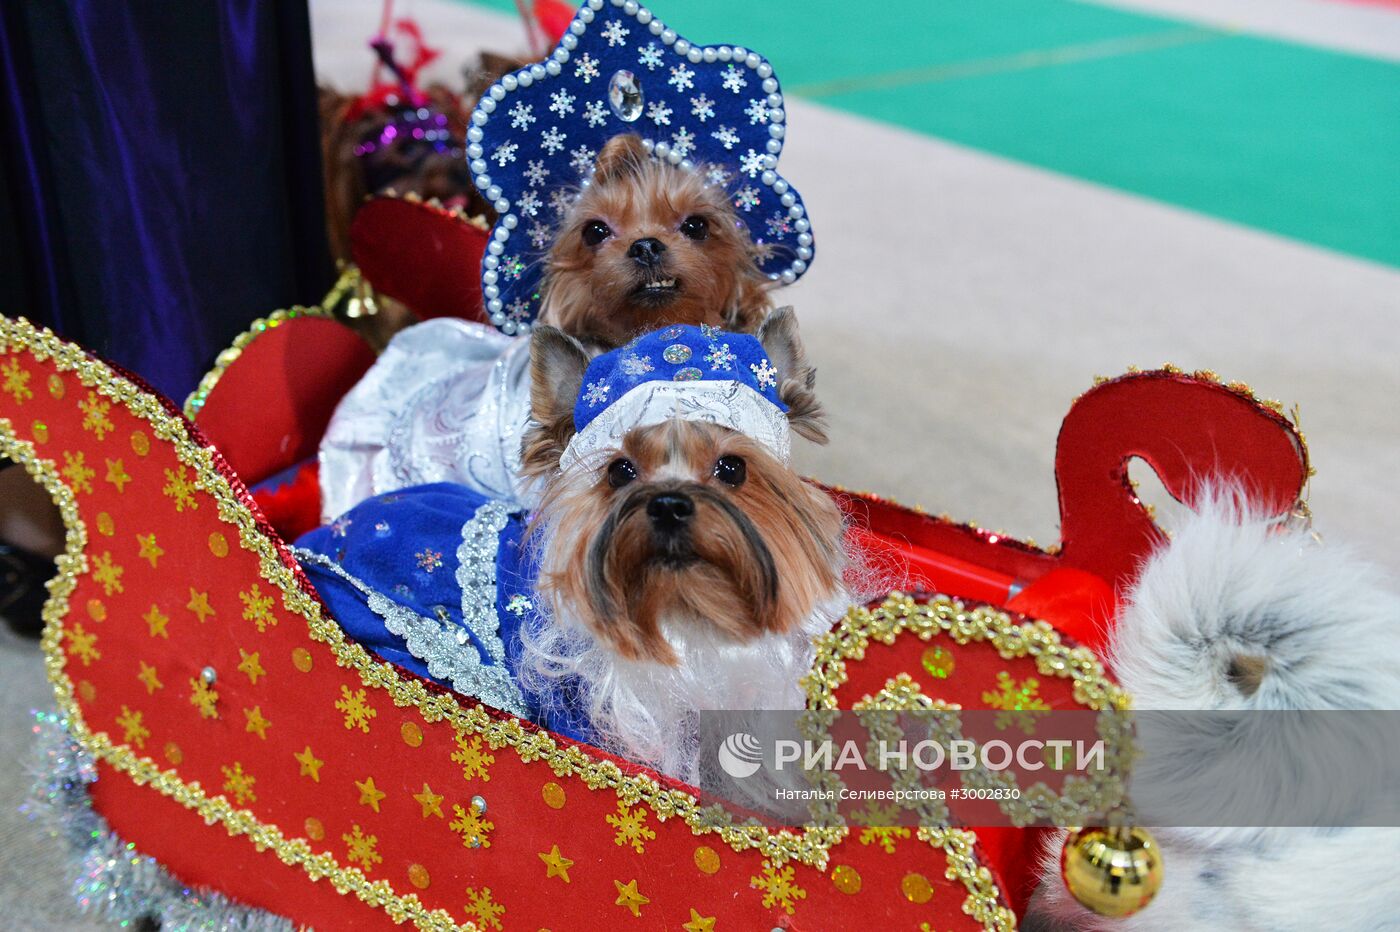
(692, 373)
(535, 135)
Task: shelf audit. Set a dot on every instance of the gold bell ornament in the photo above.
(1113, 871)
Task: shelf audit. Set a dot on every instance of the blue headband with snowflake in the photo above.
(691, 373)
(536, 133)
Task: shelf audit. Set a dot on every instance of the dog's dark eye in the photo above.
(620, 472)
(595, 231)
(695, 227)
(731, 470)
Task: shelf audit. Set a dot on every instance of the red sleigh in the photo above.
(244, 743)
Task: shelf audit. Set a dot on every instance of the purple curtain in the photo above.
(161, 181)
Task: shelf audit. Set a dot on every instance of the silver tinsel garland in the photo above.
(111, 879)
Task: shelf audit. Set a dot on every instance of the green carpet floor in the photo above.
(1296, 140)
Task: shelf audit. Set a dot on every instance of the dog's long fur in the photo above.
(1242, 613)
(657, 625)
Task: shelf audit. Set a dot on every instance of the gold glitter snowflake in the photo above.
(474, 758)
(473, 827)
(879, 825)
(778, 887)
(485, 910)
(240, 784)
(77, 473)
(82, 644)
(204, 698)
(357, 709)
(16, 381)
(107, 574)
(257, 608)
(631, 827)
(1020, 702)
(361, 848)
(133, 732)
(180, 489)
(95, 417)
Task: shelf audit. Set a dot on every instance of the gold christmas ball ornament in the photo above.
(1113, 871)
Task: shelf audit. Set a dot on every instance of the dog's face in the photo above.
(684, 523)
(648, 244)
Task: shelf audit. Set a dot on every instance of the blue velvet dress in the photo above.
(438, 579)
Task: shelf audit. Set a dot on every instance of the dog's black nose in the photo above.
(647, 252)
(670, 510)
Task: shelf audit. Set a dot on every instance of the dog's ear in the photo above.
(796, 378)
(622, 156)
(557, 365)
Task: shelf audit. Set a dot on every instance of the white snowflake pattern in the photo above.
(649, 55)
(529, 203)
(538, 234)
(718, 176)
(747, 198)
(720, 357)
(682, 142)
(767, 376)
(615, 32)
(596, 393)
(726, 135)
(702, 107)
(682, 78)
(635, 365)
(596, 113)
(535, 173)
(751, 163)
(562, 103)
(552, 140)
(734, 79)
(778, 225)
(518, 310)
(582, 160)
(659, 113)
(586, 68)
(505, 153)
(522, 115)
(561, 200)
(757, 111)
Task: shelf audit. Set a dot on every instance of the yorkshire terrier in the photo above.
(648, 244)
(684, 564)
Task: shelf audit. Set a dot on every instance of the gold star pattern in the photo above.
(150, 550)
(133, 732)
(149, 678)
(361, 848)
(631, 826)
(310, 766)
(485, 910)
(95, 417)
(699, 923)
(240, 784)
(199, 604)
(556, 865)
(370, 795)
(77, 472)
(628, 897)
(82, 644)
(204, 698)
(250, 666)
(256, 724)
(356, 708)
(430, 801)
(179, 489)
(16, 382)
(156, 621)
(257, 608)
(116, 474)
(107, 574)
